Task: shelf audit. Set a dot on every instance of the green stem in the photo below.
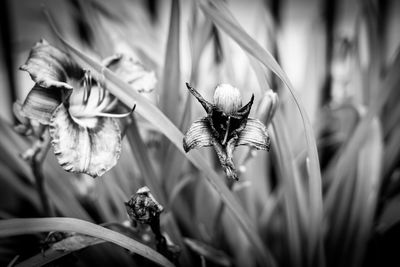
(37, 169)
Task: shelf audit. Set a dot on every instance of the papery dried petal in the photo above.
(41, 102)
(90, 150)
(255, 135)
(50, 67)
(198, 135)
(132, 72)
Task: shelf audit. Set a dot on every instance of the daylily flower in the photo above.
(79, 111)
(226, 126)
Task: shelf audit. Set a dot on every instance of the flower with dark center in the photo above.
(78, 110)
(226, 126)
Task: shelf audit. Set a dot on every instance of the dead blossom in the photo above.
(143, 207)
(83, 118)
(226, 125)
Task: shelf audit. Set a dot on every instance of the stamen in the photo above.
(102, 95)
(87, 86)
(109, 115)
(102, 83)
(227, 131)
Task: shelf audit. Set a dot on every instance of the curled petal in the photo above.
(50, 67)
(255, 135)
(132, 72)
(79, 149)
(245, 110)
(41, 102)
(206, 105)
(198, 135)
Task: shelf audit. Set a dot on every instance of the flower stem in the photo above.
(37, 169)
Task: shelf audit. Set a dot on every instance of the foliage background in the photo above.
(341, 58)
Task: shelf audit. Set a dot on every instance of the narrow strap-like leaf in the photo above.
(14, 227)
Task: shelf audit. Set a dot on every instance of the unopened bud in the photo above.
(227, 98)
(268, 106)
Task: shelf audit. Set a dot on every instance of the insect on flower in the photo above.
(78, 110)
(226, 126)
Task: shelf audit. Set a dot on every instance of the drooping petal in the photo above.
(41, 102)
(255, 135)
(198, 135)
(50, 67)
(90, 150)
(132, 72)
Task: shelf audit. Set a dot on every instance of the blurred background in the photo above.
(342, 59)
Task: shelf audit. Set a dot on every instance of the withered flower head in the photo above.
(79, 111)
(226, 126)
(143, 207)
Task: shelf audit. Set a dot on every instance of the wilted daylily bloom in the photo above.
(226, 126)
(143, 207)
(79, 111)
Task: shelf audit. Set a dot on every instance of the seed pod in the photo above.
(143, 207)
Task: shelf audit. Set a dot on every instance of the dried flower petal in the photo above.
(50, 67)
(91, 150)
(40, 103)
(255, 135)
(198, 135)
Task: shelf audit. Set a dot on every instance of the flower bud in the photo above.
(268, 106)
(227, 98)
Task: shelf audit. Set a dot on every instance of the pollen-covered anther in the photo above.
(227, 98)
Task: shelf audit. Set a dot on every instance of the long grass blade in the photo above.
(60, 249)
(29, 226)
(216, 11)
(171, 75)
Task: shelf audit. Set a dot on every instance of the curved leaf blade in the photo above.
(13, 227)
